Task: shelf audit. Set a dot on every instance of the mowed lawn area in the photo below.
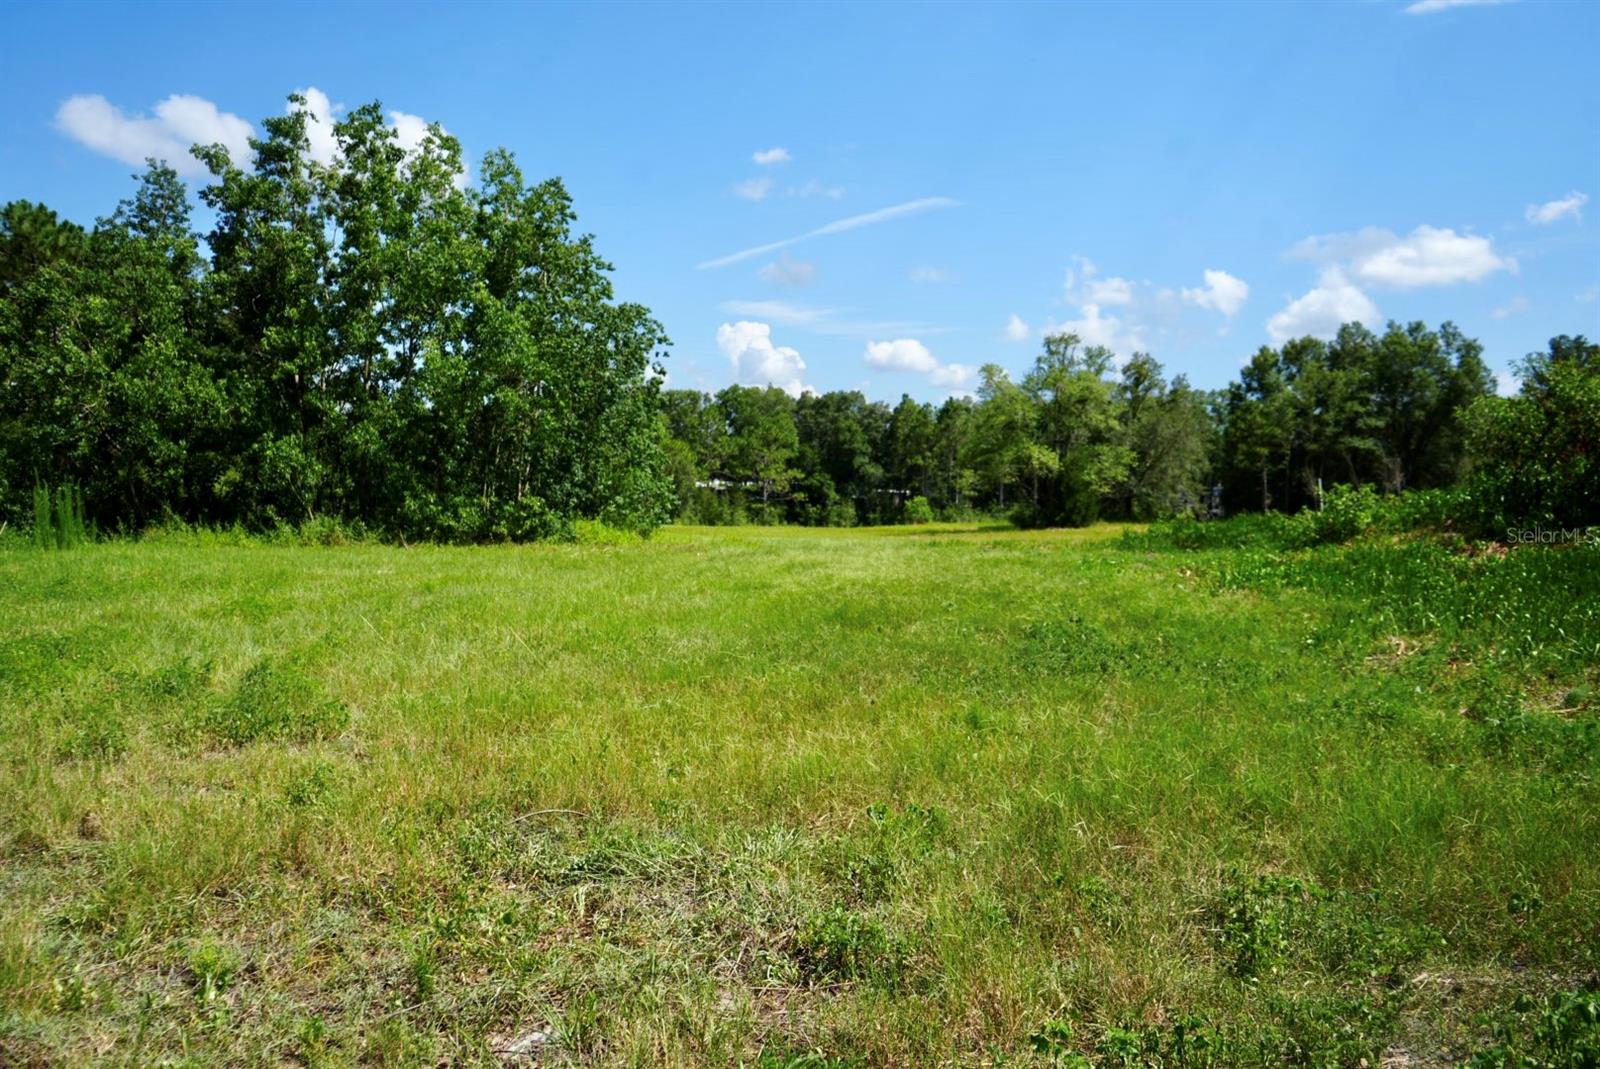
(949, 795)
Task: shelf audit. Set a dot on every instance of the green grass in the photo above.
(950, 795)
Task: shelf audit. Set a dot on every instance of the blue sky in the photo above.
(950, 181)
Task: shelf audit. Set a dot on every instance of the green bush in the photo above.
(1536, 456)
(1346, 514)
(918, 510)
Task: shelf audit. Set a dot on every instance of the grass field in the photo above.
(792, 797)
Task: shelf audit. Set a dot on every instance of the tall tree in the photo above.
(762, 441)
(1079, 422)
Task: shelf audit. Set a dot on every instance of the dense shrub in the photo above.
(1537, 455)
(918, 510)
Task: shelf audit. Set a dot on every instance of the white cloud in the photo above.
(321, 113)
(180, 121)
(902, 354)
(767, 157)
(909, 354)
(789, 272)
(814, 188)
(1569, 206)
(1588, 296)
(1433, 7)
(753, 188)
(931, 276)
(757, 361)
(1125, 315)
(1222, 291)
(1506, 384)
(1322, 311)
(838, 226)
(1109, 291)
(410, 130)
(953, 376)
(1433, 257)
(1093, 328)
(323, 146)
(1085, 286)
(1091, 293)
(1016, 329)
(1515, 306)
(1428, 256)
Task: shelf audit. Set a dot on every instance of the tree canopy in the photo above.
(368, 340)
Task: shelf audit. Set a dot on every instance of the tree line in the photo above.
(367, 341)
(372, 342)
(1080, 438)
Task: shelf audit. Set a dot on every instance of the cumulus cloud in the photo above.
(321, 113)
(410, 130)
(785, 271)
(838, 226)
(1433, 257)
(753, 188)
(902, 354)
(909, 354)
(1110, 291)
(1095, 328)
(180, 121)
(1222, 292)
(767, 157)
(757, 361)
(1016, 329)
(1433, 7)
(1567, 207)
(1125, 315)
(1428, 256)
(953, 376)
(1085, 286)
(1323, 310)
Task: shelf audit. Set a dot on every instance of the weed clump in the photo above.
(1273, 922)
(838, 944)
(1560, 1029)
(275, 701)
(212, 969)
(59, 521)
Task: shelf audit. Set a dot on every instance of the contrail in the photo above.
(838, 226)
